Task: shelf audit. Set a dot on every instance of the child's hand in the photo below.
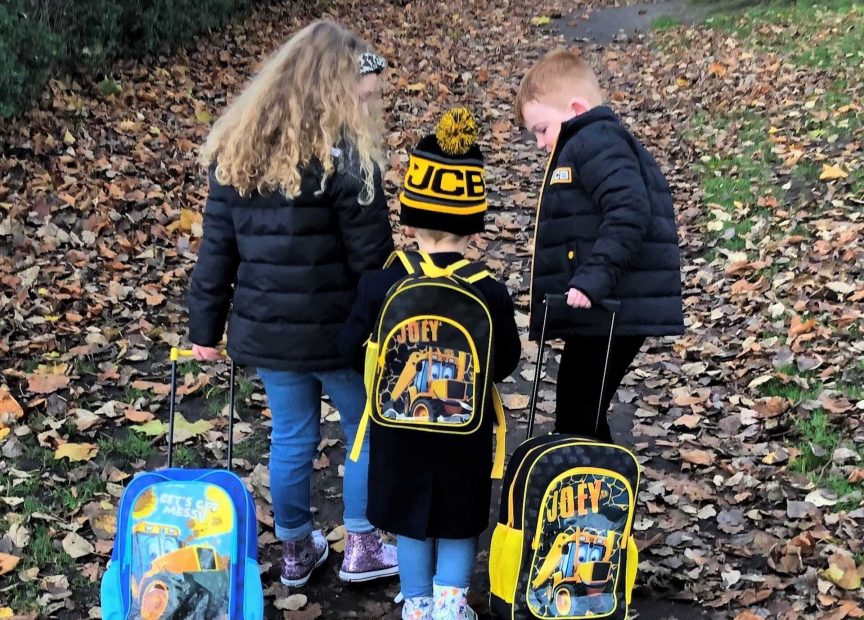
(577, 299)
(206, 354)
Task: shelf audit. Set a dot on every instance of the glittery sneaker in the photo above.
(417, 608)
(301, 557)
(367, 558)
(451, 604)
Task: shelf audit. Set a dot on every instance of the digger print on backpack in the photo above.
(429, 374)
(578, 545)
(182, 541)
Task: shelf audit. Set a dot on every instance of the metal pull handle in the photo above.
(610, 305)
(175, 356)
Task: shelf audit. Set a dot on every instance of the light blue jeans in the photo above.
(295, 402)
(446, 561)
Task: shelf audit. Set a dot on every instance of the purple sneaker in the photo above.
(301, 557)
(367, 558)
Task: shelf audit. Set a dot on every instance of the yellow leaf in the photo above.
(842, 572)
(76, 451)
(681, 82)
(336, 538)
(8, 562)
(68, 138)
(540, 20)
(416, 88)
(716, 68)
(10, 410)
(799, 327)
(48, 379)
(698, 457)
(831, 173)
(190, 220)
(515, 402)
(203, 116)
(183, 429)
(6, 612)
(127, 126)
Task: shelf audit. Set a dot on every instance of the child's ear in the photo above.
(579, 105)
(410, 232)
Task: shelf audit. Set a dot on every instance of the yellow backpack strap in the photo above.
(361, 431)
(412, 261)
(500, 436)
(470, 272)
(458, 265)
(369, 367)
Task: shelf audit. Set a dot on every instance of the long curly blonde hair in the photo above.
(302, 104)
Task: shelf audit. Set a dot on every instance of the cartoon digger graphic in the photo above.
(431, 388)
(578, 564)
(176, 578)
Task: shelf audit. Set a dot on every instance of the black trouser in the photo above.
(580, 376)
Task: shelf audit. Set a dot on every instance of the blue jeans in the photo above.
(295, 402)
(446, 561)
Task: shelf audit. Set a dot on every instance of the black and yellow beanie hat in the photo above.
(444, 186)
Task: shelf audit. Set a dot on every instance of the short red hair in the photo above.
(558, 76)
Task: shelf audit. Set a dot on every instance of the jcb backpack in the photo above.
(563, 546)
(187, 542)
(427, 361)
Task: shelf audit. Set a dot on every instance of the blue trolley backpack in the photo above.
(563, 545)
(187, 541)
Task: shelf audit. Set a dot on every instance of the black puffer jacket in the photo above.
(290, 267)
(606, 226)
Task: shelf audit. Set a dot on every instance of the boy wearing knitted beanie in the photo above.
(434, 492)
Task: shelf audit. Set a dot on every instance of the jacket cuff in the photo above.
(203, 336)
(592, 288)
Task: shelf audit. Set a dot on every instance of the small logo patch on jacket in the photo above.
(561, 175)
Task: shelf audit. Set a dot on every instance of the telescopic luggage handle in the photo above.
(610, 305)
(177, 354)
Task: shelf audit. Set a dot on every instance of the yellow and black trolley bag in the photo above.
(563, 546)
(427, 360)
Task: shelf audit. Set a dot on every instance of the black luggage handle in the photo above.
(176, 354)
(610, 305)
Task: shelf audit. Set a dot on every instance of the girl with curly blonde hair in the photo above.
(296, 212)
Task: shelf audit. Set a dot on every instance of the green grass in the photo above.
(192, 366)
(818, 436)
(819, 439)
(132, 394)
(75, 496)
(245, 388)
(44, 550)
(84, 366)
(791, 391)
(250, 449)
(216, 403)
(735, 176)
(797, 31)
(184, 456)
(41, 553)
(132, 446)
(816, 431)
(110, 87)
(19, 487)
(739, 164)
(665, 22)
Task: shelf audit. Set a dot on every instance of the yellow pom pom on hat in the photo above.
(444, 187)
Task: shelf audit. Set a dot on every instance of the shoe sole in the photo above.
(347, 577)
(299, 583)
